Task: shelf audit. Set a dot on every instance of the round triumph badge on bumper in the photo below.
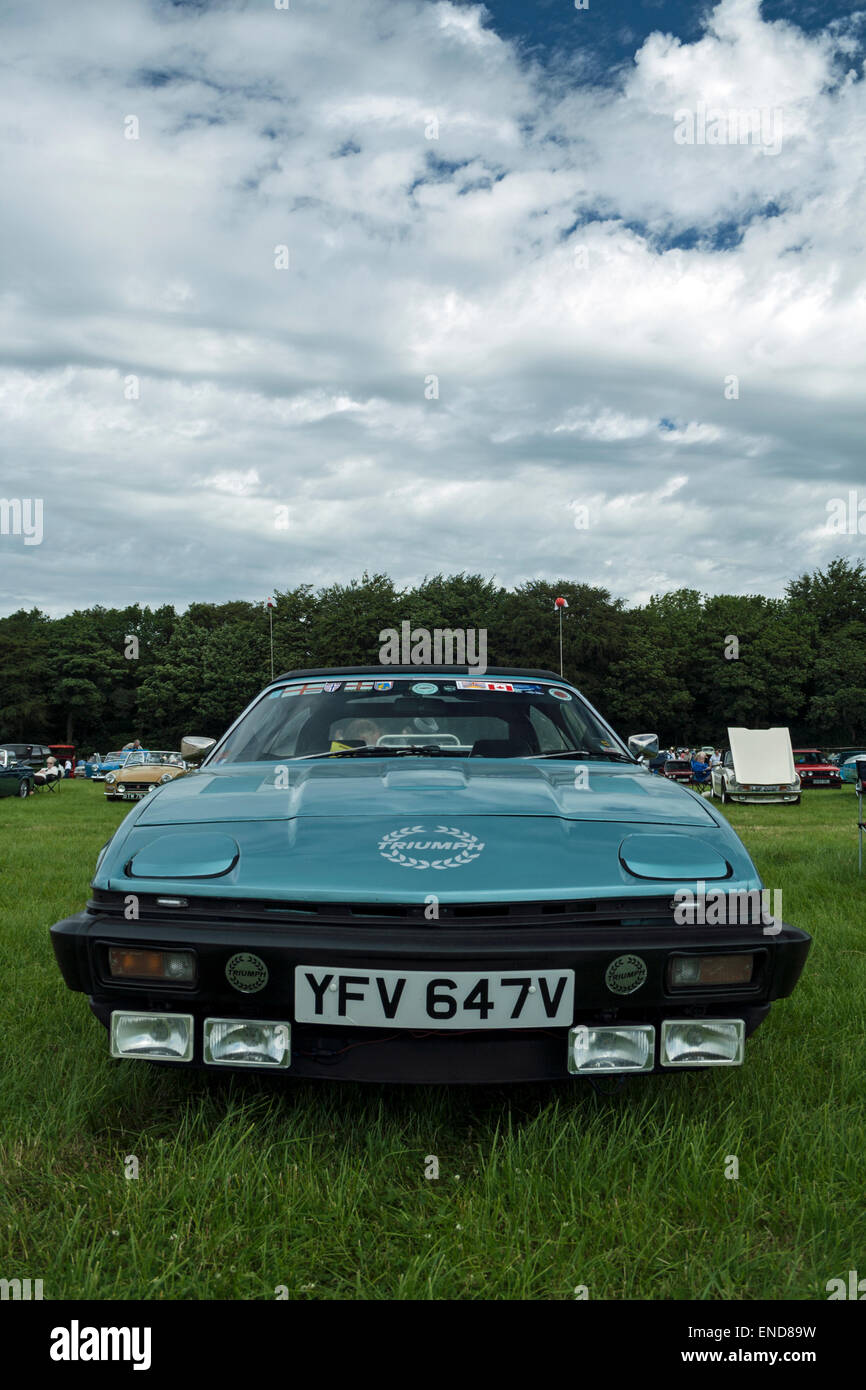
(625, 974)
(246, 972)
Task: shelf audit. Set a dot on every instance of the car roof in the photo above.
(494, 672)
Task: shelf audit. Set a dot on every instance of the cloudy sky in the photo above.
(420, 286)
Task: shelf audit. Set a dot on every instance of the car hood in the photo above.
(592, 791)
(344, 831)
(762, 755)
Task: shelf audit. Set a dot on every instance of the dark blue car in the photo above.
(16, 779)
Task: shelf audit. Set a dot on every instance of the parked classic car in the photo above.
(416, 874)
(33, 755)
(678, 769)
(141, 772)
(16, 779)
(814, 770)
(848, 770)
(112, 762)
(758, 766)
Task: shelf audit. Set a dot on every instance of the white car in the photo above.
(758, 767)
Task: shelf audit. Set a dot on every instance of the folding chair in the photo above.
(47, 783)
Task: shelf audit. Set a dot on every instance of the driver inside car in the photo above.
(354, 733)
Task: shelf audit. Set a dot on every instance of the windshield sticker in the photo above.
(487, 685)
(560, 694)
(331, 686)
(359, 685)
(383, 685)
(289, 690)
(425, 688)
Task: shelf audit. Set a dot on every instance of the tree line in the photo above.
(685, 665)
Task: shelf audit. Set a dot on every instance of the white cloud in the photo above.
(582, 286)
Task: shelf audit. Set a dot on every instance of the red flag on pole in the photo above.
(559, 604)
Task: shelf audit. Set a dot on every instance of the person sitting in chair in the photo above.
(700, 770)
(52, 772)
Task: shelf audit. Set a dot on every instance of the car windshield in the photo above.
(425, 716)
(152, 759)
(809, 755)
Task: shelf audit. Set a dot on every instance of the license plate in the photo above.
(820, 781)
(129, 796)
(423, 999)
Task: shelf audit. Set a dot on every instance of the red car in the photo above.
(680, 769)
(814, 770)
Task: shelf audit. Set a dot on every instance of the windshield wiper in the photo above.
(583, 753)
(427, 750)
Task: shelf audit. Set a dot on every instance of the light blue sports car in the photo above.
(848, 769)
(98, 770)
(404, 873)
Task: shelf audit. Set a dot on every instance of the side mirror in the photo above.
(195, 747)
(643, 745)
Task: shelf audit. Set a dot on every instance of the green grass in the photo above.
(248, 1184)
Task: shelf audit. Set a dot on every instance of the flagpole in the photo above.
(559, 605)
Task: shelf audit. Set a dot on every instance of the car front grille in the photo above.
(568, 913)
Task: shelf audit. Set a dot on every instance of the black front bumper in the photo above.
(371, 1054)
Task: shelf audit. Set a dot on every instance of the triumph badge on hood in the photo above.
(410, 846)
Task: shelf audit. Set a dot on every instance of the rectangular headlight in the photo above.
(247, 1042)
(688, 972)
(608, 1049)
(166, 1037)
(702, 1042)
(127, 964)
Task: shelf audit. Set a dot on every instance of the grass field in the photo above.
(249, 1184)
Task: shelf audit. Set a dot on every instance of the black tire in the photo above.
(24, 787)
(796, 801)
(723, 797)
